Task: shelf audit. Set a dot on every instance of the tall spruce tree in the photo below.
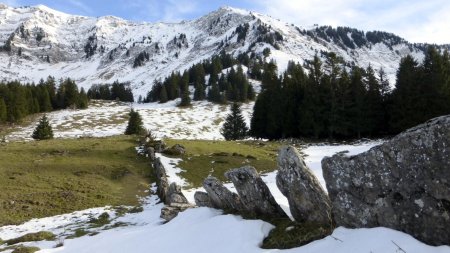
(135, 125)
(43, 131)
(234, 127)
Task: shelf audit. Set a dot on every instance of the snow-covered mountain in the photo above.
(37, 42)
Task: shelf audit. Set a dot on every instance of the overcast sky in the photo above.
(414, 20)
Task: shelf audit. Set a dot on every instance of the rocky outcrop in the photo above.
(220, 197)
(308, 201)
(402, 184)
(174, 195)
(254, 193)
(202, 199)
(161, 179)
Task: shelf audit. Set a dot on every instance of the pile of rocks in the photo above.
(308, 201)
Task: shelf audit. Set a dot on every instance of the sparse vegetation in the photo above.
(78, 233)
(101, 220)
(41, 179)
(32, 237)
(289, 234)
(24, 249)
(216, 157)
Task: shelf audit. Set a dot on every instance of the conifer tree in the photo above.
(3, 115)
(199, 93)
(185, 98)
(82, 100)
(234, 127)
(163, 95)
(43, 131)
(214, 93)
(135, 125)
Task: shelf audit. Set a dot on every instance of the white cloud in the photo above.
(415, 20)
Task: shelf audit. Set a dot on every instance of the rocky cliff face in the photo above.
(402, 184)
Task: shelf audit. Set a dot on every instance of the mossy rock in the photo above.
(33, 237)
(288, 234)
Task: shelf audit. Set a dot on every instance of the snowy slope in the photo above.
(54, 43)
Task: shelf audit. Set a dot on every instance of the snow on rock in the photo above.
(172, 171)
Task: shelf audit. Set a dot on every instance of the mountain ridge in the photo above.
(38, 41)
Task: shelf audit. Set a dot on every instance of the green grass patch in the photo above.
(32, 237)
(78, 233)
(289, 234)
(45, 178)
(203, 158)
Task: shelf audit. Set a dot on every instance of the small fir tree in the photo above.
(43, 130)
(185, 99)
(135, 125)
(234, 127)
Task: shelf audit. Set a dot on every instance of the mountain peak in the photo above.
(46, 9)
(233, 9)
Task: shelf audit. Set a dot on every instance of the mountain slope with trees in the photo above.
(37, 42)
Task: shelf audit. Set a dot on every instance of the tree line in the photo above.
(116, 91)
(18, 100)
(219, 88)
(327, 101)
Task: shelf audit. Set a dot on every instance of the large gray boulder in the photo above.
(220, 197)
(307, 199)
(254, 193)
(402, 184)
